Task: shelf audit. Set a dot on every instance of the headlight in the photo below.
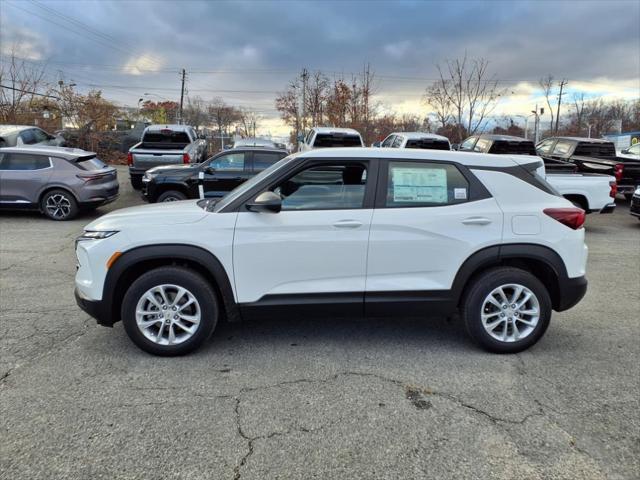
(96, 235)
(637, 192)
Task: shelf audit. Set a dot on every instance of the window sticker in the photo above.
(460, 193)
(419, 185)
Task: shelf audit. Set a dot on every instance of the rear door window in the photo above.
(24, 161)
(28, 137)
(467, 145)
(562, 148)
(482, 145)
(425, 184)
(544, 147)
(40, 135)
(262, 160)
(229, 162)
(397, 142)
(388, 141)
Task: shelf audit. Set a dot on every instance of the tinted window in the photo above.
(309, 136)
(27, 137)
(166, 136)
(467, 144)
(93, 163)
(231, 162)
(40, 136)
(397, 142)
(413, 184)
(544, 147)
(262, 160)
(595, 149)
(428, 144)
(324, 140)
(562, 148)
(23, 161)
(326, 187)
(504, 147)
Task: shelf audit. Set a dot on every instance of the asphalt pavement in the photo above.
(322, 398)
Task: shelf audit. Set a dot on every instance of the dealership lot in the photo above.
(328, 398)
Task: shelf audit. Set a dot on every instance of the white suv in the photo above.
(330, 137)
(366, 231)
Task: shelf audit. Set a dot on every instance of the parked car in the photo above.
(212, 178)
(254, 142)
(349, 231)
(329, 137)
(592, 155)
(589, 191)
(57, 181)
(632, 153)
(19, 135)
(428, 141)
(164, 145)
(634, 209)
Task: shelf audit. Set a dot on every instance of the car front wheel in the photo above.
(169, 311)
(59, 205)
(172, 196)
(506, 310)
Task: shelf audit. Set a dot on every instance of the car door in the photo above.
(225, 172)
(314, 250)
(429, 218)
(24, 176)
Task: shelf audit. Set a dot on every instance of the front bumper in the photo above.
(96, 308)
(572, 290)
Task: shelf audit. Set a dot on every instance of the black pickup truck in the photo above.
(592, 155)
(212, 178)
(510, 145)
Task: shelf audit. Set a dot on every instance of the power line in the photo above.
(29, 91)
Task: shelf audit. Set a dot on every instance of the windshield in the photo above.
(241, 189)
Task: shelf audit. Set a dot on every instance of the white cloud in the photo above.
(22, 43)
(143, 64)
(397, 50)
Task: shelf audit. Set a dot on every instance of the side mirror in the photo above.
(376, 144)
(626, 150)
(210, 170)
(267, 202)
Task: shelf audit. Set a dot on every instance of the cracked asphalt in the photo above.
(328, 398)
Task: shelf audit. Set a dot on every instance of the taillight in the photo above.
(572, 217)
(614, 189)
(87, 177)
(129, 158)
(185, 158)
(617, 171)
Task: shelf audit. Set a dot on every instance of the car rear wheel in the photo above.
(172, 196)
(170, 311)
(136, 182)
(506, 310)
(59, 205)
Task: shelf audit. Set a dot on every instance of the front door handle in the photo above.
(476, 221)
(347, 224)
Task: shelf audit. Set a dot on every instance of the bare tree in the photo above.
(316, 94)
(546, 84)
(436, 97)
(22, 82)
(249, 121)
(473, 94)
(223, 116)
(578, 103)
(195, 112)
(338, 101)
(288, 104)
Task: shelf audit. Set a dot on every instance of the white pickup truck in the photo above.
(592, 192)
(164, 145)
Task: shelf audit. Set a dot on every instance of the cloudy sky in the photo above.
(245, 52)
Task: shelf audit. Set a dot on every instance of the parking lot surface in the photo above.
(327, 398)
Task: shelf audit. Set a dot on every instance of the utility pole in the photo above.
(562, 84)
(305, 75)
(182, 95)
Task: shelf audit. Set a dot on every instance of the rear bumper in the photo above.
(98, 309)
(98, 201)
(609, 208)
(572, 290)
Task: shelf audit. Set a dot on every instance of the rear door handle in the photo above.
(476, 221)
(347, 224)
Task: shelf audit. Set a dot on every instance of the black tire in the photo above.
(171, 196)
(136, 182)
(628, 196)
(196, 285)
(482, 286)
(59, 205)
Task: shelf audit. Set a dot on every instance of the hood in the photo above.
(168, 213)
(164, 169)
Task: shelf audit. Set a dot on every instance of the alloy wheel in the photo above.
(510, 313)
(168, 314)
(58, 206)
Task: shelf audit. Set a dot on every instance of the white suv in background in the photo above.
(366, 231)
(430, 141)
(330, 137)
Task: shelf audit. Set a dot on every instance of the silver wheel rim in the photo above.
(168, 314)
(510, 313)
(170, 199)
(58, 206)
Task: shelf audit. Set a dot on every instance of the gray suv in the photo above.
(57, 181)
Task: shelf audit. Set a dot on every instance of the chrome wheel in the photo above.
(170, 199)
(58, 206)
(510, 312)
(168, 314)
